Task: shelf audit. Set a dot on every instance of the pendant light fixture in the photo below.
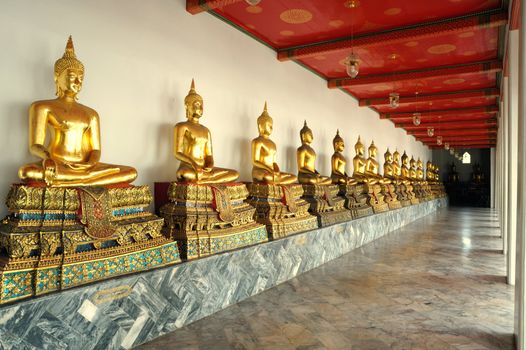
(430, 131)
(352, 65)
(446, 146)
(253, 2)
(439, 140)
(416, 115)
(394, 100)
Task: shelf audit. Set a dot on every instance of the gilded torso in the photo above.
(308, 155)
(196, 140)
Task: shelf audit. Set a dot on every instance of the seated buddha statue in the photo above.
(338, 163)
(70, 156)
(400, 187)
(264, 166)
(359, 162)
(429, 171)
(405, 175)
(193, 147)
(389, 167)
(306, 157)
(372, 167)
(420, 170)
(412, 169)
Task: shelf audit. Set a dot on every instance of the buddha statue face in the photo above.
(306, 134)
(265, 123)
(193, 103)
(69, 72)
(405, 159)
(396, 157)
(359, 148)
(372, 151)
(69, 82)
(412, 162)
(338, 143)
(388, 157)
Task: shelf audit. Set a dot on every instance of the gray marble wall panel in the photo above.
(128, 311)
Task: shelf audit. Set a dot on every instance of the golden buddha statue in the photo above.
(70, 157)
(420, 170)
(338, 162)
(429, 171)
(264, 166)
(400, 186)
(389, 169)
(405, 167)
(306, 156)
(412, 169)
(372, 167)
(359, 162)
(193, 147)
(397, 170)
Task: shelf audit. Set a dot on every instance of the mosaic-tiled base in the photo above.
(325, 204)
(356, 199)
(131, 310)
(58, 238)
(208, 219)
(394, 205)
(281, 209)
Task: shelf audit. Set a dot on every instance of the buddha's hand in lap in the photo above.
(50, 171)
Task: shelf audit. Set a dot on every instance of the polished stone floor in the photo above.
(437, 283)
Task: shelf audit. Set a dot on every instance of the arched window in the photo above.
(466, 158)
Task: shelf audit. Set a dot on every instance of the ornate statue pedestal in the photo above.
(325, 204)
(401, 192)
(57, 238)
(281, 209)
(209, 219)
(376, 198)
(356, 200)
(390, 196)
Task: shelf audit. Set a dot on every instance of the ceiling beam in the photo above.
(448, 126)
(422, 31)
(198, 6)
(444, 119)
(456, 132)
(418, 74)
(468, 146)
(444, 96)
(457, 138)
(440, 112)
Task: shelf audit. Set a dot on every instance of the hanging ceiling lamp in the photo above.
(253, 2)
(394, 100)
(439, 140)
(416, 115)
(351, 63)
(446, 146)
(430, 131)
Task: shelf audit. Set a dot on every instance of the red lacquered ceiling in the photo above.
(403, 46)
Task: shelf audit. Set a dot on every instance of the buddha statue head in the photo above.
(388, 156)
(396, 157)
(372, 150)
(412, 162)
(69, 73)
(405, 159)
(306, 134)
(419, 164)
(338, 143)
(265, 123)
(193, 103)
(359, 147)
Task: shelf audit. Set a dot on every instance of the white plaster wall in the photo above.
(140, 57)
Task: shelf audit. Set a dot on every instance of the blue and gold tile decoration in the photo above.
(45, 247)
(209, 219)
(281, 209)
(122, 313)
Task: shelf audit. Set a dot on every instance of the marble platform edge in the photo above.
(128, 311)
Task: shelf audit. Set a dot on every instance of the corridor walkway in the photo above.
(435, 284)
